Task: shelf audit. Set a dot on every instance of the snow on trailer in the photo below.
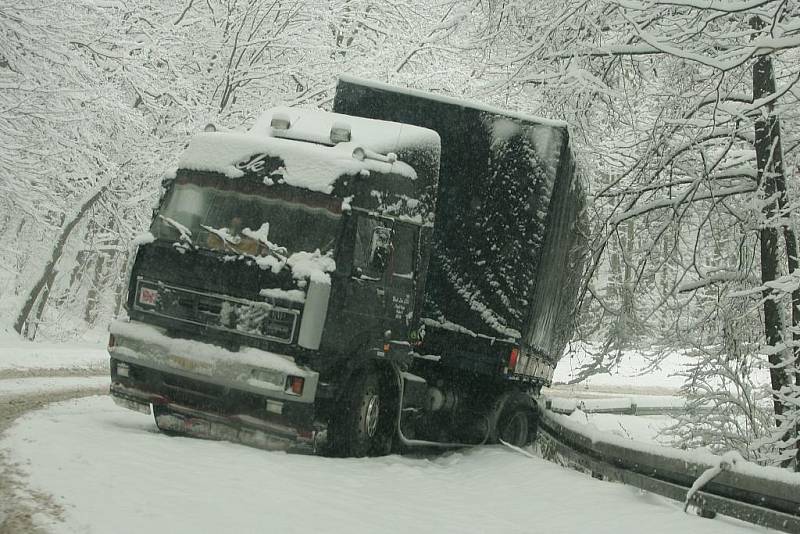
(509, 239)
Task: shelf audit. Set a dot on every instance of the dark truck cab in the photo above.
(339, 283)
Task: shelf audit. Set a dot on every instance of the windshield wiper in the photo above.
(186, 234)
(224, 236)
(260, 236)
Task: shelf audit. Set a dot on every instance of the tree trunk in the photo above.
(41, 289)
(773, 327)
(771, 173)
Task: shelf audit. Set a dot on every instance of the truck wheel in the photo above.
(514, 423)
(514, 430)
(363, 428)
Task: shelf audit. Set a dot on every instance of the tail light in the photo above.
(513, 356)
(111, 341)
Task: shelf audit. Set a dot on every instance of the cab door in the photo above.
(401, 279)
(375, 283)
(357, 315)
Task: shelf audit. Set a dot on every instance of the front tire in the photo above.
(361, 425)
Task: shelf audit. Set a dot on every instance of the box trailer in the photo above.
(400, 272)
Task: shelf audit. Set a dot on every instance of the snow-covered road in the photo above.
(109, 470)
(85, 465)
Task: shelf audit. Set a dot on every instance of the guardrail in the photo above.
(621, 405)
(728, 485)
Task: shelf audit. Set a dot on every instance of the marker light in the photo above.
(296, 384)
(280, 121)
(512, 358)
(340, 132)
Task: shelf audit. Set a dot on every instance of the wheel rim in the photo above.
(515, 430)
(371, 411)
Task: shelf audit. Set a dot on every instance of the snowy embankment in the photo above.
(112, 472)
(20, 358)
(10, 387)
(28, 368)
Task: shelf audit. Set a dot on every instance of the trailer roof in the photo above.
(452, 100)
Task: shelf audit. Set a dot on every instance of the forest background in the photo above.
(683, 114)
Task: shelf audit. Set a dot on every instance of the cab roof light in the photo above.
(280, 121)
(340, 132)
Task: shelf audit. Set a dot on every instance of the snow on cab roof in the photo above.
(452, 100)
(310, 158)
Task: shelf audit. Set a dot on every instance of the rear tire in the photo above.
(516, 424)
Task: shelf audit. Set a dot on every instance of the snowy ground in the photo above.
(112, 472)
(86, 465)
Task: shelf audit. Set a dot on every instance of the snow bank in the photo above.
(26, 386)
(22, 355)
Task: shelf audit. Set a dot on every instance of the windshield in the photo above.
(240, 217)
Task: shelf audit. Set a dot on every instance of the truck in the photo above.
(400, 272)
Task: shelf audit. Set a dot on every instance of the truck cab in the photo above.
(282, 267)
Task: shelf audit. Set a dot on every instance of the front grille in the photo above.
(261, 320)
(182, 385)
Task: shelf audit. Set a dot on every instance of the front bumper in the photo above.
(248, 369)
(207, 391)
(239, 428)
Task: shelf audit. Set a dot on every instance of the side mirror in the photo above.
(380, 248)
(166, 183)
